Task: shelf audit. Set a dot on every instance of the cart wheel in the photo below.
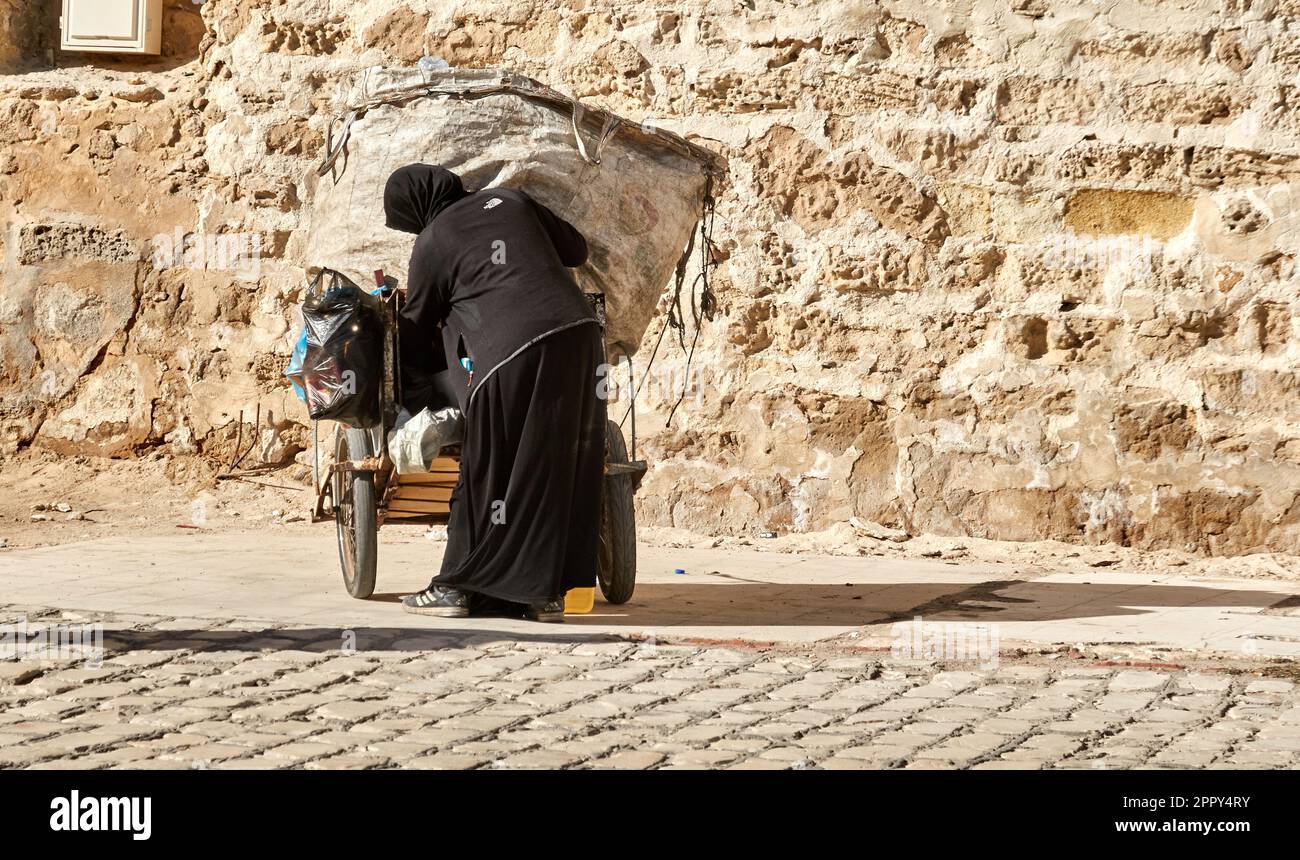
(358, 524)
(617, 564)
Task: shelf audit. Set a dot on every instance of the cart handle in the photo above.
(631, 407)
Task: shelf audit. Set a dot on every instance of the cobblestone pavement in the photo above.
(172, 695)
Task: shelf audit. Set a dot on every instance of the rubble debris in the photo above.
(877, 531)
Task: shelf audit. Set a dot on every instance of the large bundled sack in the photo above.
(635, 192)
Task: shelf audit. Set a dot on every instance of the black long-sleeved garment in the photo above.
(525, 514)
(492, 267)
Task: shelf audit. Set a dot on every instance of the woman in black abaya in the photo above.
(490, 268)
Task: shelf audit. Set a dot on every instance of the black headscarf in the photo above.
(416, 193)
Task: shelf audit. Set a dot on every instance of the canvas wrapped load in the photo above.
(635, 192)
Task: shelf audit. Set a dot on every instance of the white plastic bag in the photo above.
(417, 441)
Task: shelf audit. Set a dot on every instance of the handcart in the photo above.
(361, 490)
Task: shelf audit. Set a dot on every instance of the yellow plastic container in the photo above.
(579, 601)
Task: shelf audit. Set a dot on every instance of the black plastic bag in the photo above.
(343, 370)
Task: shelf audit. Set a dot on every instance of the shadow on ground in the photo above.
(322, 640)
(757, 605)
(662, 607)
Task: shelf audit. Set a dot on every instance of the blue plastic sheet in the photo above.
(296, 361)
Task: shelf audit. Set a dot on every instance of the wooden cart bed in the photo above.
(422, 496)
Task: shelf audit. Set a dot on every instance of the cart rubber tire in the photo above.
(616, 569)
(356, 516)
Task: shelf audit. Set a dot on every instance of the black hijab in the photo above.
(416, 193)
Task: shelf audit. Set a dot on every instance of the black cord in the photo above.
(708, 302)
(705, 309)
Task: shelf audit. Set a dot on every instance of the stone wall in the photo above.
(1007, 269)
